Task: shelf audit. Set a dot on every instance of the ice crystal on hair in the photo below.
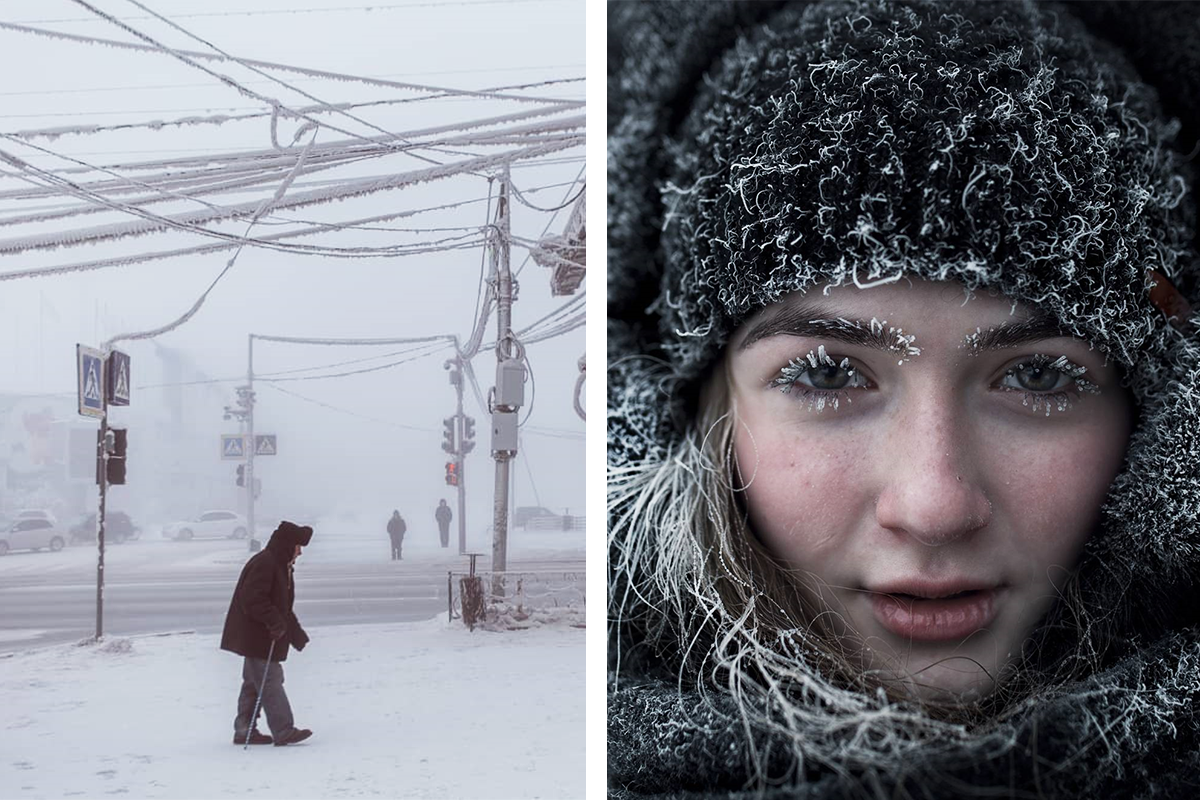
(897, 340)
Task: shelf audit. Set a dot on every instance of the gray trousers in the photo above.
(274, 700)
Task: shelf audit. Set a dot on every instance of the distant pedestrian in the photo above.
(260, 625)
(443, 516)
(396, 529)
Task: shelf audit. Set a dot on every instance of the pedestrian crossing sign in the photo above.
(233, 446)
(264, 445)
(89, 364)
(118, 378)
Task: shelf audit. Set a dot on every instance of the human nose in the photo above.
(930, 487)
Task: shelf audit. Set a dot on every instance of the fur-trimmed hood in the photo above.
(756, 149)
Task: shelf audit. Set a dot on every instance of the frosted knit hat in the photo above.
(756, 149)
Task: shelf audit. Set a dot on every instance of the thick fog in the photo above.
(351, 447)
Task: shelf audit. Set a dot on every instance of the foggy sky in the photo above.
(330, 458)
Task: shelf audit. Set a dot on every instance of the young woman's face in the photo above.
(935, 465)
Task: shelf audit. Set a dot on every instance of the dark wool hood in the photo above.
(757, 149)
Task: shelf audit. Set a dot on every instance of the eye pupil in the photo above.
(829, 376)
(1037, 378)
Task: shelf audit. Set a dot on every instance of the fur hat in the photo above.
(292, 534)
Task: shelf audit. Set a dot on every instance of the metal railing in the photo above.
(513, 600)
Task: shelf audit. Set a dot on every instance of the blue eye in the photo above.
(830, 378)
(1035, 377)
(1046, 384)
(818, 374)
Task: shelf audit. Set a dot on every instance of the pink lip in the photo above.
(927, 612)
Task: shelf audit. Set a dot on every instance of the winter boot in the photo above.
(295, 735)
(255, 738)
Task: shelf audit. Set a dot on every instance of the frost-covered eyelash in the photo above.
(817, 399)
(796, 367)
(1059, 400)
(1064, 365)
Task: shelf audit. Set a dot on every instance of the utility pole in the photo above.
(102, 468)
(243, 411)
(460, 441)
(250, 444)
(104, 381)
(509, 392)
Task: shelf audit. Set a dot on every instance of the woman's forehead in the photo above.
(911, 307)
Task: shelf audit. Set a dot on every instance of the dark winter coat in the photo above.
(443, 516)
(744, 166)
(262, 601)
(396, 527)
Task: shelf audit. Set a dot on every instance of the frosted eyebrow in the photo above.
(812, 320)
(816, 321)
(1011, 334)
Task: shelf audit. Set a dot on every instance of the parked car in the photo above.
(118, 529)
(31, 534)
(37, 513)
(209, 525)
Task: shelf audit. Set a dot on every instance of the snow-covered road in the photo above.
(424, 709)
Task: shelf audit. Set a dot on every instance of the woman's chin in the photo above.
(953, 675)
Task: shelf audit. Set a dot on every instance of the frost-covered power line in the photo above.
(487, 95)
(194, 221)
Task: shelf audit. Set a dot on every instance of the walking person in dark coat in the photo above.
(260, 615)
(443, 515)
(396, 528)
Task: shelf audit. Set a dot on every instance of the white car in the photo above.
(37, 513)
(209, 525)
(31, 534)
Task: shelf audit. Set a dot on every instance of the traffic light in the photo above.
(241, 479)
(452, 473)
(116, 459)
(448, 445)
(115, 445)
(468, 443)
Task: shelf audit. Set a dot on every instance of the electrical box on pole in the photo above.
(510, 383)
(504, 431)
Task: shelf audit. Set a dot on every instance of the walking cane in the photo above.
(258, 703)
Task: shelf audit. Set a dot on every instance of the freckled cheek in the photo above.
(1053, 493)
(803, 491)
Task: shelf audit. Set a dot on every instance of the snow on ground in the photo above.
(398, 710)
(331, 544)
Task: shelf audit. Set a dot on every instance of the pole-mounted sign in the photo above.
(103, 380)
(265, 444)
(89, 364)
(233, 446)
(118, 378)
